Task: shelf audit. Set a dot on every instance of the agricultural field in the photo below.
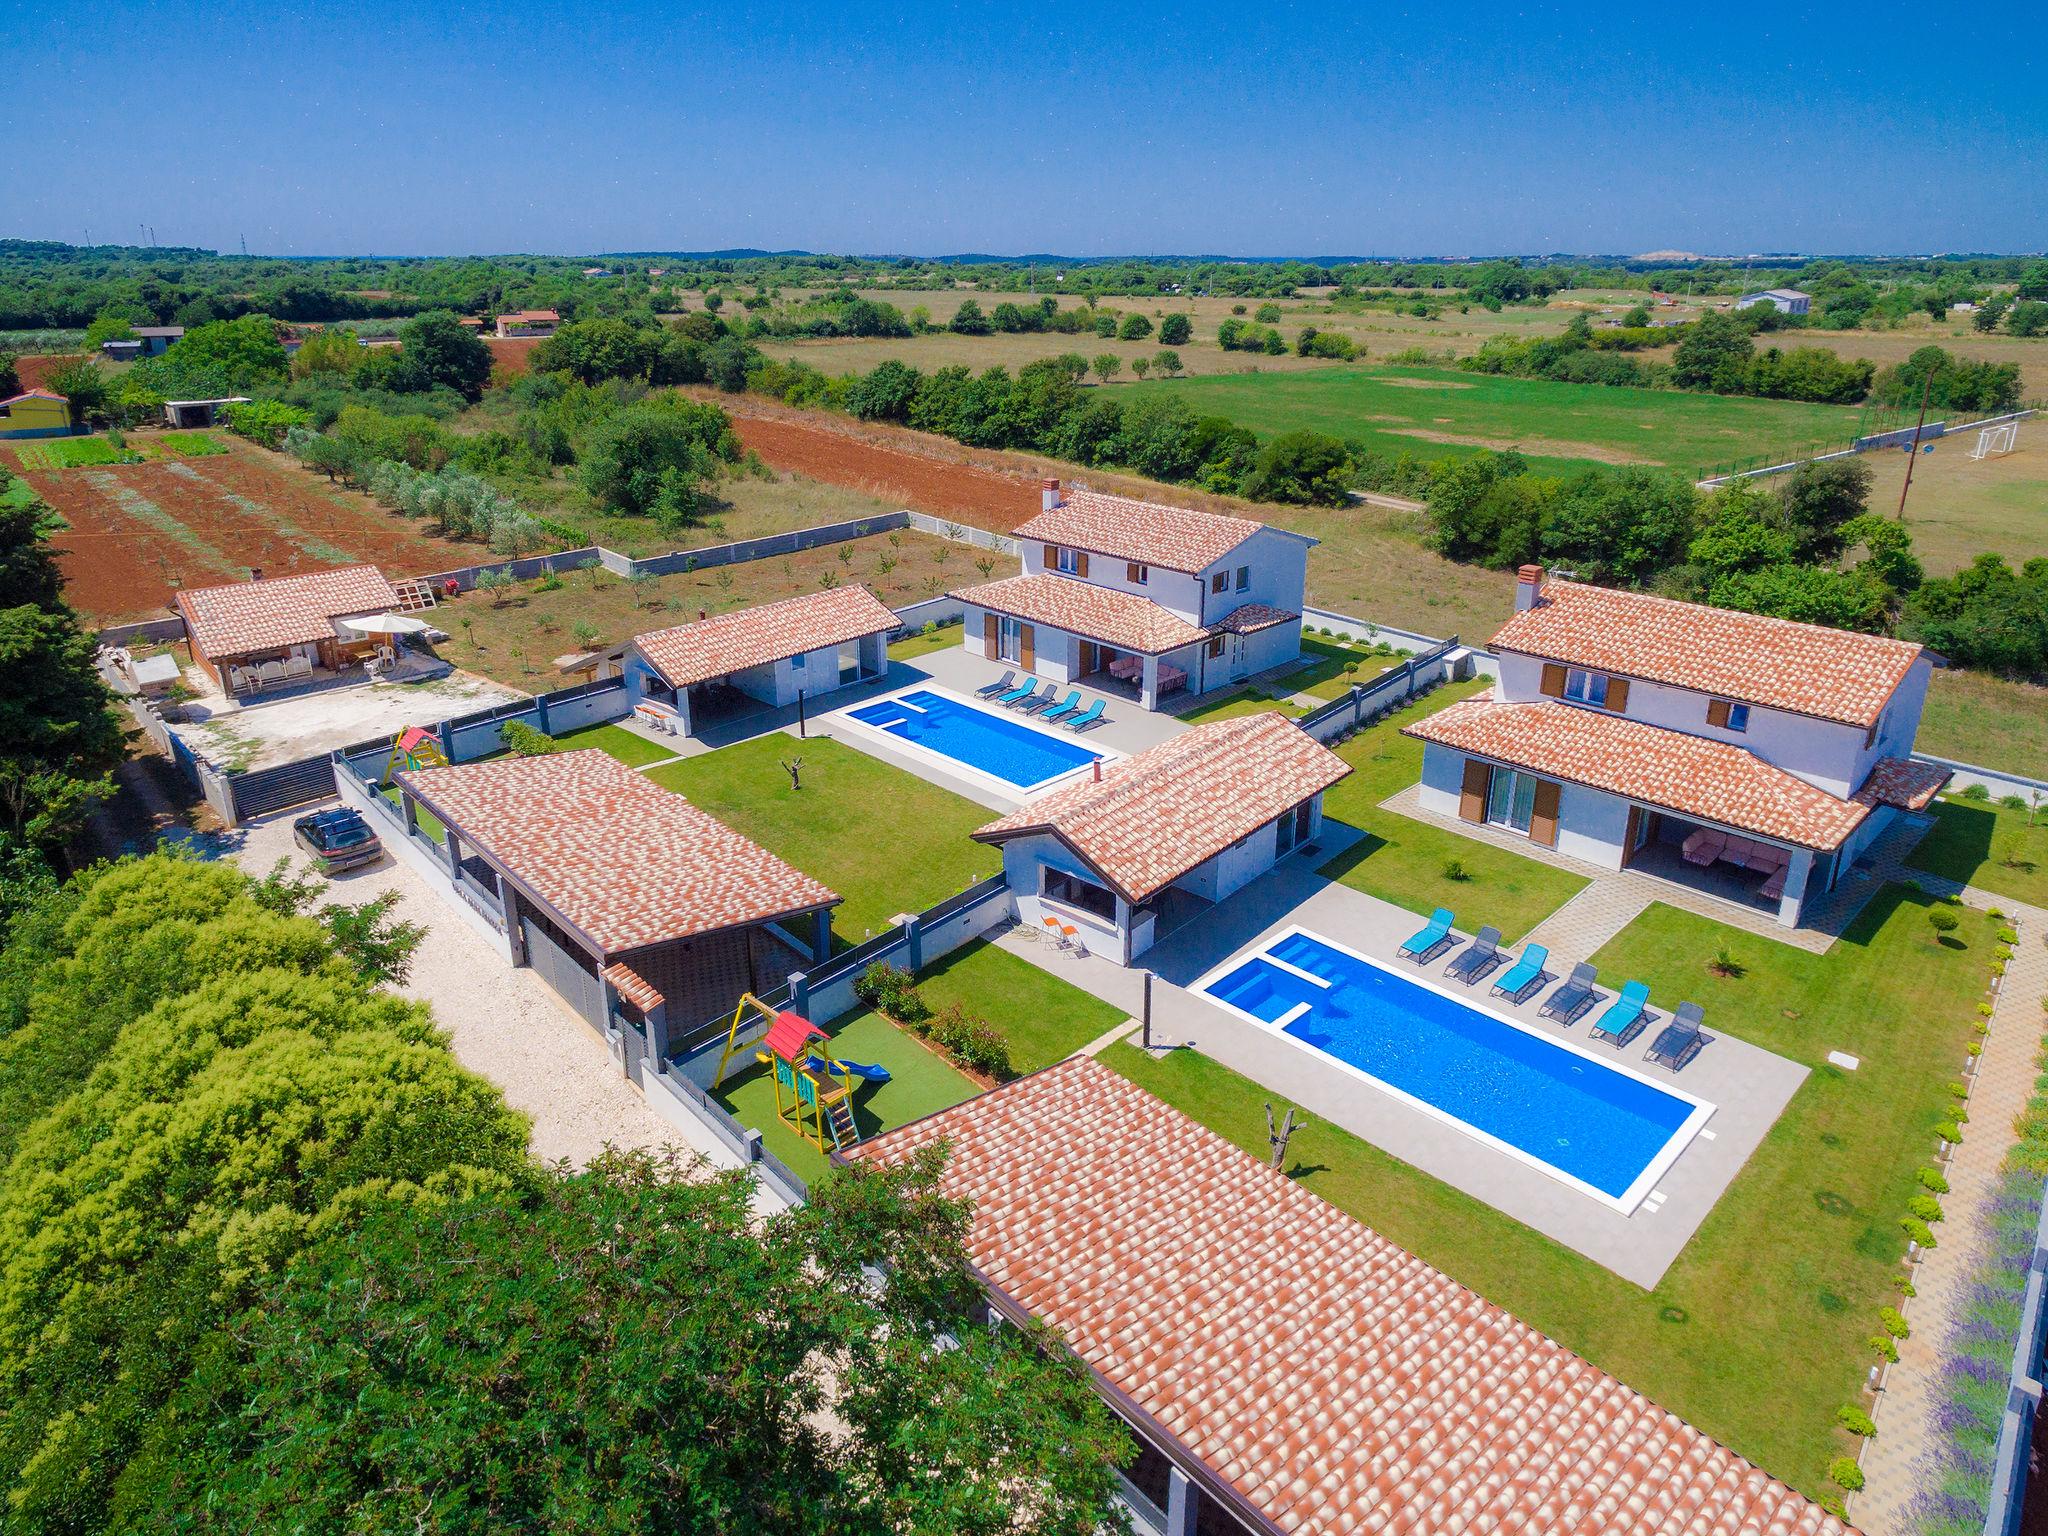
(513, 634)
(1431, 411)
(1959, 507)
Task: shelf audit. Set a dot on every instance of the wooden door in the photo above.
(1543, 815)
(1472, 795)
(1027, 639)
(992, 636)
(1089, 660)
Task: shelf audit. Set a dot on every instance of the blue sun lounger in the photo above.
(1526, 976)
(1430, 940)
(1023, 691)
(1071, 707)
(1624, 1019)
(1088, 719)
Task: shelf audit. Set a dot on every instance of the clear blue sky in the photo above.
(1258, 129)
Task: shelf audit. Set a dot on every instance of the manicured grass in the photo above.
(912, 646)
(427, 821)
(630, 748)
(1757, 1333)
(884, 839)
(1244, 701)
(1403, 860)
(1045, 1019)
(1973, 717)
(1982, 843)
(1435, 413)
(920, 1083)
(73, 453)
(1335, 668)
(192, 445)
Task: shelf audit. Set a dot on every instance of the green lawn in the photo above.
(912, 646)
(1435, 412)
(920, 1083)
(1982, 843)
(1403, 860)
(884, 839)
(426, 820)
(1973, 717)
(630, 748)
(1335, 667)
(192, 445)
(1242, 701)
(1045, 1019)
(1757, 1333)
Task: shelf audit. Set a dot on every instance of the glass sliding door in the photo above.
(1511, 799)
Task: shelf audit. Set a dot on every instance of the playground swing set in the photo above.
(413, 749)
(813, 1087)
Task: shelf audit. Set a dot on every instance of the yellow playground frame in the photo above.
(813, 1088)
(413, 748)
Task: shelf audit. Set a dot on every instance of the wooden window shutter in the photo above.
(1131, 569)
(1081, 564)
(1052, 557)
(1553, 680)
(1717, 712)
(1543, 815)
(1027, 638)
(1472, 796)
(1617, 695)
(991, 635)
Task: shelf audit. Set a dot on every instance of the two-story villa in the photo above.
(1752, 756)
(1142, 599)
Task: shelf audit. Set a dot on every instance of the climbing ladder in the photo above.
(415, 594)
(838, 1108)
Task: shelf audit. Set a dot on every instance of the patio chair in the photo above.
(1088, 719)
(1038, 702)
(1002, 684)
(1703, 846)
(1572, 999)
(1071, 707)
(1023, 691)
(1430, 940)
(1476, 958)
(1526, 976)
(1680, 1040)
(1624, 1018)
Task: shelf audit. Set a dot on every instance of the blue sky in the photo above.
(437, 127)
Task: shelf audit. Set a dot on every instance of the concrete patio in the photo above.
(1749, 1087)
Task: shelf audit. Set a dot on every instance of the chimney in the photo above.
(1097, 766)
(255, 573)
(703, 613)
(1528, 587)
(1048, 494)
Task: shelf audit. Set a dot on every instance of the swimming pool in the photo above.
(1008, 749)
(1594, 1124)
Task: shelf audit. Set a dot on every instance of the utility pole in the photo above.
(1913, 453)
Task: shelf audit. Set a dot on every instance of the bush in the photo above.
(523, 740)
(1454, 869)
(892, 990)
(1926, 1207)
(1885, 1346)
(263, 421)
(1855, 1420)
(1976, 792)
(1917, 1230)
(1942, 920)
(1845, 1473)
(1930, 1178)
(1893, 1323)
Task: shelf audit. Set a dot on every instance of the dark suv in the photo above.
(337, 839)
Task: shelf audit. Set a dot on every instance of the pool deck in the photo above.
(1749, 1087)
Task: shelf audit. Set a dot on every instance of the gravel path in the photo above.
(504, 1024)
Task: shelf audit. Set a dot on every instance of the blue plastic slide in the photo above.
(860, 1069)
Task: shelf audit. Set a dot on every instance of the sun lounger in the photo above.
(1045, 700)
(1002, 685)
(1072, 706)
(1431, 939)
(1088, 719)
(1023, 691)
(1680, 1040)
(1476, 958)
(1526, 976)
(1624, 1018)
(1572, 999)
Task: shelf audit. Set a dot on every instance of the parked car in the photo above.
(337, 840)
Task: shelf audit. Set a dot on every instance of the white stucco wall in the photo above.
(1592, 825)
(1443, 778)
(1023, 858)
(1176, 591)
(1279, 575)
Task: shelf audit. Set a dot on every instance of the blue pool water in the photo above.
(996, 744)
(1600, 1126)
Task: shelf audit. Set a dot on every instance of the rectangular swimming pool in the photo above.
(1005, 748)
(1594, 1124)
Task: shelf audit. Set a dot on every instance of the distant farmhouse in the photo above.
(35, 413)
(1786, 301)
(528, 322)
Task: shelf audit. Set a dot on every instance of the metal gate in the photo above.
(563, 968)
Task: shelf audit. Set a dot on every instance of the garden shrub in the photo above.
(1917, 1230)
(1886, 1346)
(1894, 1322)
(1942, 920)
(892, 990)
(1845, 1473)
(1926, 1207)
(1855, 1420)
(1930, 1178)
(523, 740)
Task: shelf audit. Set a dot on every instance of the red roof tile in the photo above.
(1691, 775)
(624, 861)
(753, 637)
(1253, 617)
(1900, 781)
(633, 987)
(267, 615)
(1833, 674)
(1172, 538)
(1120, 619)
(37, 394)
(1151, 818)
(1336, 1382)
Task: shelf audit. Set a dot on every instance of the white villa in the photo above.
(1118, 861)
(1142, 600)
(1751, 756)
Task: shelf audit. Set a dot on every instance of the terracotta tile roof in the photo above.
(264, 615)
(37, 394)
(624, 861)
(530, 314)
(1712, 780)
(753, 637)
(1121, 619)
(1833, 674)
(1253, 617)
(1151, 818)
(1335, 1382)
(633, 987)
(1172, 538)
(1900, 781)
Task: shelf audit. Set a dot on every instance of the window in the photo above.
(1244, 578)
(1067, 560)
(1215, 645)
(1137, 574)
(1219, 581)
(1727, 715)
(1738, 717)
(1586, 687)
(1073, 891)
(799, 661)
(1511, 799)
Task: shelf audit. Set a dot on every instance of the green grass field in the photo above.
(1988, 845)
(1045, 1019)
(1434, 412)
(191, 445)
(73, 453)
(1757, 1333)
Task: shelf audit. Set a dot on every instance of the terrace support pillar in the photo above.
(1792, 904)
(1182, 1502)
(410, 807)
(454, 847)
(799, 993)
(657, 1036)
(1148, 685)
(683, 726)
(821, 935)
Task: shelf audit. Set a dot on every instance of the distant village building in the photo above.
(156, 339)
(1786, 301)
(35, 413)
(528, 322)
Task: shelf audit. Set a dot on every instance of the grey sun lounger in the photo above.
(1571, 1000)
(1680, 1040)
(1045, 700)
(1476, 958)
(1002, 685)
